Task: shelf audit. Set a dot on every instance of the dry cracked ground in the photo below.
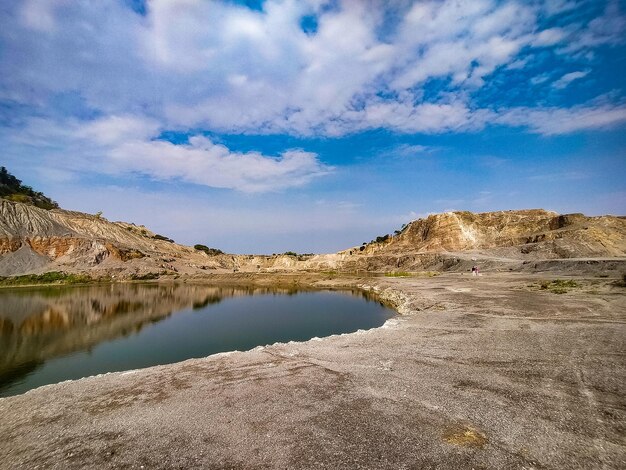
(489, 372)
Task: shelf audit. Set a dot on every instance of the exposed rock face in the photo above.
(74, 241)
(548, 234)
(458, 231)
(37, 240)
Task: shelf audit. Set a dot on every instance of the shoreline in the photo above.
(473, 371)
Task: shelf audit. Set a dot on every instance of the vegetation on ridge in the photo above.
(52, 277)
(207, 250)
(12, 189)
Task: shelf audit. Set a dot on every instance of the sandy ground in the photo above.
(488, 372)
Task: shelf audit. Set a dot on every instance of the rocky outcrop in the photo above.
(73, 241)
(511, 233)
(34, 240)
(458, 231)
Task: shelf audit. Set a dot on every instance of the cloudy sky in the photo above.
(312, 126)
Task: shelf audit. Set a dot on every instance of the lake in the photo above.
(52, 334)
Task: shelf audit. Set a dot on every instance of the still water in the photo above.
(51, 334)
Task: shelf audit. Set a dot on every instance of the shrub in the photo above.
(23, 198)
(207, 250)
(558, 286)
(398, 274)
(161, 237)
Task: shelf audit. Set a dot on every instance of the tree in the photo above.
(12, 189)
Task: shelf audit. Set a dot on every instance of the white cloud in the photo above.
(407, 150)
(220, 66)
(126, 144)
(462, 40)
(40, 15)
(549, 37)
(113, 130)
(554, 7)
(204, 162)
(566, 175)
(568, 78)
(552, 121)
(539, 79)
(605, 29)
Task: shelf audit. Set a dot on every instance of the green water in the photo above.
(52, 334)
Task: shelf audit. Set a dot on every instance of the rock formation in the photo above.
(546, 233)
(38, 240)
(34, 240)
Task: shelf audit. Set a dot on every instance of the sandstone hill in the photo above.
(547, 234)
(505, 238)
(34, 240)
(37, 240)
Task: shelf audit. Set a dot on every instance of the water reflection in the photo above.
(40, 324)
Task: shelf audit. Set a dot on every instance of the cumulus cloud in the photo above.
(220, 66)
(112, 130)
(202, 161)
(130, 144)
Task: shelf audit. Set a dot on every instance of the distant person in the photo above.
(474, 270)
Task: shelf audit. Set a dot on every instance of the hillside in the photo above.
(542, 233)
(34, 240)
(38, 240)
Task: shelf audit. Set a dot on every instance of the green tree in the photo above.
(12, 189)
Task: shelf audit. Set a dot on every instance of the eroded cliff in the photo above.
(34, 240)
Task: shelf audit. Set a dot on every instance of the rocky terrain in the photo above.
(496, 371)
(34, 240)
(490, 372)
(542, 233)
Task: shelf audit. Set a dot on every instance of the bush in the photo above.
(161, 237)
(23, 198)
(558, 286)
(398, 274)
(207, 250)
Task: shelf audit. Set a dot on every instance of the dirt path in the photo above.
(478, 373)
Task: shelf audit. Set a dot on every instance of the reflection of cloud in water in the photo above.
(37, 324)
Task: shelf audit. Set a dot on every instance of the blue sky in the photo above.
(312, 126)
